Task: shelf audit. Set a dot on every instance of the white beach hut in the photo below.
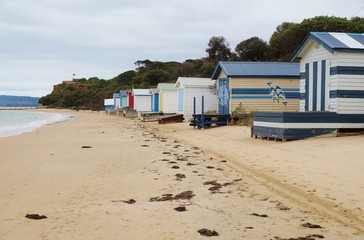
(190, 87)
(142, 100)
(167, 97)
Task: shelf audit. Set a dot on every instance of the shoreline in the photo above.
(241, 187)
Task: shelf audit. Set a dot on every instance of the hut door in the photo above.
(223, 96)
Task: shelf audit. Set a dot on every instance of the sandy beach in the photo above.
(107, 177)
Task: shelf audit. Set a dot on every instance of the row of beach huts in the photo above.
(320, 94)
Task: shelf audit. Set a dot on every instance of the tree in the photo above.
(218, 49)
(252, 49)
(153, 77)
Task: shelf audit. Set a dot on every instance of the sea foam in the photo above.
(18, 122)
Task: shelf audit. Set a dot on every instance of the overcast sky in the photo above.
(43, 42)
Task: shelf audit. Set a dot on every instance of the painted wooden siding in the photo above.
(161, 101)
(352, 84)
(190, 93)
(123, 101)
(170, 101)
(315, 86)
(253, 98)
(142, 103)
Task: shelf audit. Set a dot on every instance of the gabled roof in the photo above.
(141, 92)
(193, 82)
(257, 70)
(116, 95)
(166, 86)
(332, 41)
(122, 93)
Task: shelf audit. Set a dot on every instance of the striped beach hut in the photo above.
(167, 97)
(331, 89)
(190, 87)
(257, 86)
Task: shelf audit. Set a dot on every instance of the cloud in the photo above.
(45, 42)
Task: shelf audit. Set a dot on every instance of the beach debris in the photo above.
(144, 145)
(164, 160)
(175, 167)
(210, 167)
(179, 176)
(172, 162)
(191, 164)
(130, 201)
(215, 186)
(35, 216)
(310, 225)
(308, 237)
(180, 209)
(166, 152)
(259, 215)
(224, 161)
(187, 195)
(86, 147)
(208, 233)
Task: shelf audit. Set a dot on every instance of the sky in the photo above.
(43, 42)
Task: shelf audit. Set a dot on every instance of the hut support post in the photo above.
(203, 112)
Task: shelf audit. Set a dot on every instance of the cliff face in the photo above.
(67, 86)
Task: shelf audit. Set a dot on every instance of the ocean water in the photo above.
(18, 122)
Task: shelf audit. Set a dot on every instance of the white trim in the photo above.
(347, 40)
(308, 125)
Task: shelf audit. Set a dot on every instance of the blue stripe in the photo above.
(289, 95)
(350, 70)
(302, 75)
(251, 97)
(260, 90)
(347, 94)
(314, 87)
(302, 96)
(307, 78)
(323, 85)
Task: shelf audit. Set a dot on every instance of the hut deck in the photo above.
(300, 125)
(207, 120)
(175, 118)
(148, 116)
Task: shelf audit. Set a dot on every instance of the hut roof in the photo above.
(193, 82)
(141, 92)
(332, 41)
(257, 69)
(166, 86)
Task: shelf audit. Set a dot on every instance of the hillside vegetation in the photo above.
(89, 93)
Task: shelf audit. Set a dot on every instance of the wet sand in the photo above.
(105, 177)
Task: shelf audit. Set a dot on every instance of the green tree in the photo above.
(218, 49)
(252, 49)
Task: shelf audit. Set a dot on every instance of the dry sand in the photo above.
(128, 181)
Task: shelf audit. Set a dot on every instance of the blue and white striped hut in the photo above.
(332, 72)
(331, 89)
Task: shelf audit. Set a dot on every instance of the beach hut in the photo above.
(155, 100)
(167, 97)
(257, 86)
(116, 97)
(142, 100)
(109, 104)
(123, 99)
(331, 89)
(129, 99)
(190, 87)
